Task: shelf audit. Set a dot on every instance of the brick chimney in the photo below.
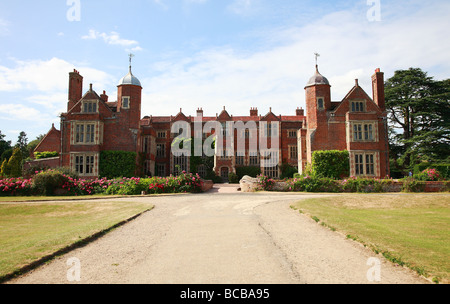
(253, 111)
(104, 96)
(300, 112)
(75, 88)
(378, 89)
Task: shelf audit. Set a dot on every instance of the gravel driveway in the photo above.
(222, 236)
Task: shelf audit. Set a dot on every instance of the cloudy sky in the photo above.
(207, 53)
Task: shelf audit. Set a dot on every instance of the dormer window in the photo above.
(126, 102)
(357, 106)
(90, 107)
(320, 103)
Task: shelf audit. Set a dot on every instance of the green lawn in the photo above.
(29, 231)
(410, 229)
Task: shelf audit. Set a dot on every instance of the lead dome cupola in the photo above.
(317, 79)
(130, 79)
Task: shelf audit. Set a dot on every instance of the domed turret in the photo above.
(130, 79)
(317, 79)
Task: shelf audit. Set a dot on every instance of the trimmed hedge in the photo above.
(117, 164)
(250, 171)
(45, 154)
(332, 164)
(233, 178)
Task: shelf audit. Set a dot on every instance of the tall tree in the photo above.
(33, 144)
(4, 145)
(22, 142)
(14, 166)
(418, 109)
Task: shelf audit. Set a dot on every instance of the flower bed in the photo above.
(363, 185)
(52, 182)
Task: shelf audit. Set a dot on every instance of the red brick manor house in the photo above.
(93, 124)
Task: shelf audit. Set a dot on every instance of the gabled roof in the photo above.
(92, 95)
(224, 115)
(270, 116)
(180, 116)
(356, 90)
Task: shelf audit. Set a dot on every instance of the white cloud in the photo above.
(112, 38)
(350, 46)
(16, 112)
(47, 76)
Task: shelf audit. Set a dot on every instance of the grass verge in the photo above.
(411, 230)
(31, 233)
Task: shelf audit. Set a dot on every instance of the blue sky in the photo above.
(207, 53)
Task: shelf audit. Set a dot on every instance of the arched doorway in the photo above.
(224, 173)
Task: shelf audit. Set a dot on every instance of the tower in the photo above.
(129, 92)
(318, 99)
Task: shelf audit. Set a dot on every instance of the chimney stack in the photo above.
(104, 96)
(75, 88)
(253, 111)
(300, 112)
(378, 89)
(200, 112)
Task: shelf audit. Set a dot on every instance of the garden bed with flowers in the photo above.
(53, 182)
(427, 182)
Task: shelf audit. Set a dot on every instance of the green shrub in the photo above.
(250, 171)
(297, 175)
(45, 154)
(14, 166)
(444, 169)
(117, 164)
(4, 168)
(412, 185)
(46, 182)
(331, 163)
(233, 178)
(288, 171)
(429, 174)
(314, 184)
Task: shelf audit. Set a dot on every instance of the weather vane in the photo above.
(317, 55)
(131, 56)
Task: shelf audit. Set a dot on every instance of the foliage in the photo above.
(4, 146)
(117, 164)
(51, 182)
(233, 178)
(250, 171)
(313, 184)
(211, 175)
(443, 169)
(34, 143)
(265, 183)
(183, 183)
(22, 143)
(429, 174)
(288, 171)
(366, 185)
(412, 185)
(419, 106)
(331, 163)
(15, 186)
(14, 166)
(4, 168)
(45, 154)
(47, 182)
